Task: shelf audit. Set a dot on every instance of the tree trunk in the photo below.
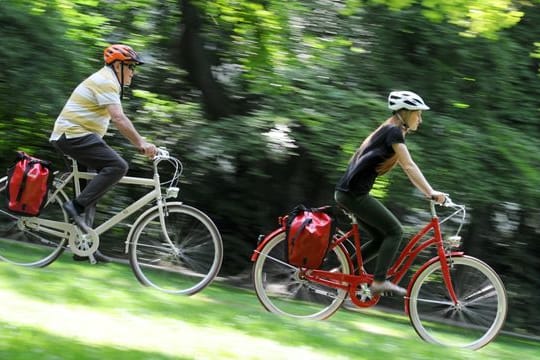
(194, 60)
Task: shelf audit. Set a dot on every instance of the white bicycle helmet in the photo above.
(398, 100)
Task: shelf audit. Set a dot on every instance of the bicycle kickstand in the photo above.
(92, 259)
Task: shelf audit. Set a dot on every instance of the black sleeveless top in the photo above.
(362, 170)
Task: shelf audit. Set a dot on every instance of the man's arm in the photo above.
(126, 128)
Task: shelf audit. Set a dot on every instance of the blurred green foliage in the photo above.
(265, 102)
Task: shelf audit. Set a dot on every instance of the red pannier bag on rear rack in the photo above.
(309, 232)
(29, 181)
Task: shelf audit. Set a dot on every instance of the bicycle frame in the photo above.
(452, 299)
(397, 271)
(59, 228)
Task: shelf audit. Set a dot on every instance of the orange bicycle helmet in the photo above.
(121, 53)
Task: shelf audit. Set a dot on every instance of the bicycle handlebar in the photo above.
(457, 209)
(162, 154)
(446, 203)
(449, 203)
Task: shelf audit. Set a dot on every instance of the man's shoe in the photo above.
(73, 214)
(97, 258)
(387, 287)
(80, 258)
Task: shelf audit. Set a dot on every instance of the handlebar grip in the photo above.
(447, 201)
(161, 153)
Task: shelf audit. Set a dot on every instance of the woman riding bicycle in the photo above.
(379, 153)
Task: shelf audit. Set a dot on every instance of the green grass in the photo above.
(73, 310)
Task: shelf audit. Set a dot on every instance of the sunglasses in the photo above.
(131, 67)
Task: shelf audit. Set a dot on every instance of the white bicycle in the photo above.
(171, 246)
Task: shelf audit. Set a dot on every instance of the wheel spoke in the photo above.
(282, 290)
(474, 320)
(30, 246)
(439, 302)
(186, 267)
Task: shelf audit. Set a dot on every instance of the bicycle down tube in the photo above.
(398, 270)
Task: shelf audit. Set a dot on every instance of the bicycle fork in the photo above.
(162, 211)
(445, 266)
(162, 207)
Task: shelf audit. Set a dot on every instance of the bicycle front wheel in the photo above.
(282, 290)
(186, 264)
(24, 244)
(478, 315)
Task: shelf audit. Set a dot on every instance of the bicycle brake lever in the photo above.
(161, 153)
(449, 203)
(446, 203)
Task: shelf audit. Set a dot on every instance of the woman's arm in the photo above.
(413, 172)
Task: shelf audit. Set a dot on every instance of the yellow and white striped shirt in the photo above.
(85, 111)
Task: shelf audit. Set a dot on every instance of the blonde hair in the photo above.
(389, 163)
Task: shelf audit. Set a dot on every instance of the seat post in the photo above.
(350, 215)
(76, 179)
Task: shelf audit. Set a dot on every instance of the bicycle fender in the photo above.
(141, 218)
(419, 271)
(264, 241)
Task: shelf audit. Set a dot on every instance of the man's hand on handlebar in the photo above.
(162, 152)
(148, 150)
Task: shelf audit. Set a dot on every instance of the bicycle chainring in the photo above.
(361, 296)
(83, 244)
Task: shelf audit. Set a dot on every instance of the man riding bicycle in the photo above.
(84, 120)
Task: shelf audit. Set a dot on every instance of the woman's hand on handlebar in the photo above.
(438, 196)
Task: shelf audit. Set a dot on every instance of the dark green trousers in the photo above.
(383, 227)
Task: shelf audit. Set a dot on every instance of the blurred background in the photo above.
(265, 101)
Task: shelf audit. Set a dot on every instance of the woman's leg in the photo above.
(381, 223)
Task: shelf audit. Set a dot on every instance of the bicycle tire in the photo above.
(281, 291)
(24, 246)
(479, 315)
(191, 265)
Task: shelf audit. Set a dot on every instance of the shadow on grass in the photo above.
(30, 343)
(108, 287)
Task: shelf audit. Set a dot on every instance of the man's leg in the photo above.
(92, 152)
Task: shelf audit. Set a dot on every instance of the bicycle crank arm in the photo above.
(322, 292)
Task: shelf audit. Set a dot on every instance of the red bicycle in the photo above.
(452, 299)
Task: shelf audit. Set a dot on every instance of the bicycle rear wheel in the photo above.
(24, 245)
(477, 317)
(190, 264)
(282, 291)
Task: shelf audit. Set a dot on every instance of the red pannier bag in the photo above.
(29, 181)
(309, 232)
